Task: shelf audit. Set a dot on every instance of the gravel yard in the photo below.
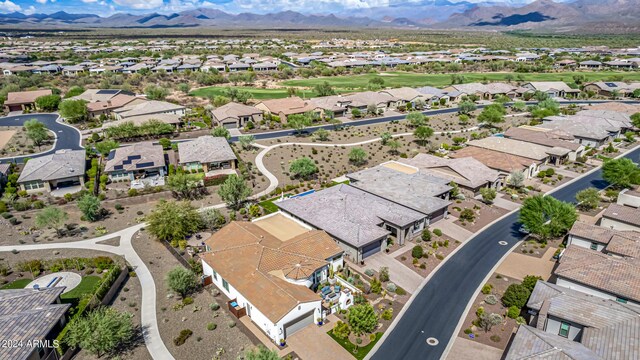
(225, 341)
(14, 142)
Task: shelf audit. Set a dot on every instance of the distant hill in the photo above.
(590, 16)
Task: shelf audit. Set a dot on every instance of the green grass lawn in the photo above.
(362, 351)
(257, 93)
(87, 285)
(399, 79)
(16, 284)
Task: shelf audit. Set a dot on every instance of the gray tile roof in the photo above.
(417, 191)
(546, 138)
(465, 171)
(531, 343)
(513, 147)
(234, 111)
(59, 165)
(205, 149)
(611, 329)
(27, 314)
(349, 214)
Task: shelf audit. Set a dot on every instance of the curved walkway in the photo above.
(66, 136)
(149, 322)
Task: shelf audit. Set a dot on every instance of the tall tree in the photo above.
(74, 111)
(621, 173)
(101, 331)
(546, 216)
(52, 217)
(588, 198)
(466, 107)
(48, 103)
(173, 220)
(104, 147)
(362, 318)
(492, 114)
(36, 131)
(185, 186)
(234, 191)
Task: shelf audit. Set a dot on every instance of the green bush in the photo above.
(184, 335)
(550, 172)
(187, 301)
(486, 289)
(437, 232)
(211, 326)
(214, 306)
(516, 295)
(387, 314)
(417, 252)
(491, 300)
(426, 235)
(3, 207)
(513, 312)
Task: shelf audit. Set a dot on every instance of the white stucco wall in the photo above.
(617, 225)
(575, 240)
(273, 331)
(629, 200)
(588, 290)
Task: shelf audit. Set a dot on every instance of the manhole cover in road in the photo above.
(432, 341)
(503, 243)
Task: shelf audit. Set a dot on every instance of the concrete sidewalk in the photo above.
(504, 203)
(455, 231)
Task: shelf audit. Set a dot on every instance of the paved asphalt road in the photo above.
(436, 310)
(67, 136)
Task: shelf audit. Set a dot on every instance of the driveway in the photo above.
(455, 231)
(313, 343)
(506, 204)
(398, 273)
(67, 137)
(468, 349)
(517, 266)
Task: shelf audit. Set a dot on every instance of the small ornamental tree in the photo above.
(416, 119)
(48, 103)
(362, 318)
(357, 156)
(181, 281)
(36, 131)
(303, 168)
(426, 235)
(423, 133)
(74, 111)
(104, 147)
(516, 295)
(341, 330)
(246, 141)
(234, 191)
(466, 107)
(89, 205)
(516, 179)
(321, 134)
(588, 199)
(487, 321)
(530, 281)
(52, 217)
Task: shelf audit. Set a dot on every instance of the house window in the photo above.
(225, 284)
(621, 300)
(215, 274)
(594, 246)
(33, 185)
(564, 329)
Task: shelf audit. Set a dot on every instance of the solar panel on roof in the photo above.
(112, 154)
(143, 165)
(107, 92)
(611, 84)
(118, 167)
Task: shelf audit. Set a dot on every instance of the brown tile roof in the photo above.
(25, 97)
(256, 263)
(620, 277)
(546, 138)
(494, 159)
(465, 171)
(592, 232)
(625, 245)
(531, 343)
(288, 106)
(115, 102)
(625, 214)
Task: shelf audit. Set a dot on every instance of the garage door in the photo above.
(15, 108)
(438, 215)
(371, 249)
(292, 327)
(230, 125)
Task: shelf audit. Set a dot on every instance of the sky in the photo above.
(109, 7)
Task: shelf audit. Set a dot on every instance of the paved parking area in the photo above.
(469, 349)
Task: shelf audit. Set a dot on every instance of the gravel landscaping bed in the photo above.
(225, 342)
(484, 214)
(431, 261)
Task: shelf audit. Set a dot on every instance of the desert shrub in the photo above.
(369, 272)
(513, 312)
(437, 232)
(426, 235)
(491, 300)
(184, 335)
(516, 295)
(417, 252)
(214, 306)
(387, 314)
(486, 289)
(211, 326)
(391, 287)
(187, 301)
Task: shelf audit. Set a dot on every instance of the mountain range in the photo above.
(544, 15)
